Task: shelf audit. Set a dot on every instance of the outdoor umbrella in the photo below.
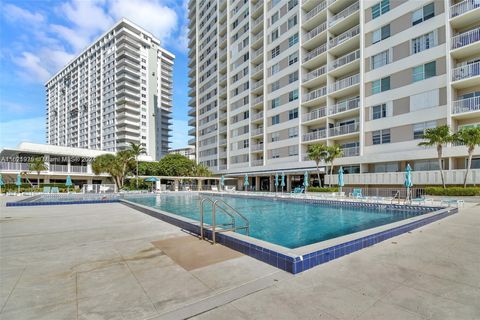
(152, 180)
(18, 183)
(1, 183)
(282, 183)
(245, 181)
(341, 183)
(222, 181)
(276, 181)
(408, 180)
(305, 181)
(68, 183)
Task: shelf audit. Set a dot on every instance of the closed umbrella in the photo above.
(276, 182)
(222, 181)
(245, 181)
(305, 181)
(408, 180)
(68, 183)
(18, 183)
(341, 183)
(282, 183)
(1, 183)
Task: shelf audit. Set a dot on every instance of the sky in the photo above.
(39, 37)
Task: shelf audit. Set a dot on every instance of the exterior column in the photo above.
(89, 167)
(69, 164)
(272, 183)
(175, 183)
(200, 184)
(257, 183)
(289, 183)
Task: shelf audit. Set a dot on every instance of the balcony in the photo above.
(192, 132)
(315, 75)
(351, 152)
(257, 147)
(344, 63)
(315, 135)
(464, 13)
(257, 162)
(315, 114)
(222, 116)
(192, 142)
(314, 56)
(465, 107)
(222, 142)
(257, 116)
(344, 129)
(313, 34)
(466, 76)
(466, 44)
(340, 41)
(344, 83)
(256, 9)
(222, 129)
(314, 95)
(258, 101)
(344, 16)
(344, 106)
(14, 166)
(257, 132)
(308, 18)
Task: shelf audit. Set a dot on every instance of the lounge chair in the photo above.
(357, 193)
(451, 202)
(54, 190)
(46, 189)
(214, 188)
(421, 200)
(229, 189)
(298, 190)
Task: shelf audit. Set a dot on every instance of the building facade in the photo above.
(270, 78)
(188, 152)
(117, 91)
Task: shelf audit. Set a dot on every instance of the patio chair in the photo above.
(356, 193)
(229, 189)
(54, 190)
(214, 188)
(451, 202)
(421, 200)
(46, 189)
(298, 190)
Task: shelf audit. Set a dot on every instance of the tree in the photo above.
(470, 137)
(317, 152)
(333, 152)
(437, 137)
(116, 165)
(137, 150)
(37, 165)
(200, 170)
(175, 165)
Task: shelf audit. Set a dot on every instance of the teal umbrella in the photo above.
(276, 181)
(282, 183)
(152, 180)
(341, 183)
(305, 180)
(222, 181)
(1, 183)
(18, 183)
(245, 181)
(408, 180)
(68, 183)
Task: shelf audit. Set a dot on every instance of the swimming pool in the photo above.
(290, 224)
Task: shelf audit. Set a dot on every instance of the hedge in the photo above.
(319, 189)
(453, 191)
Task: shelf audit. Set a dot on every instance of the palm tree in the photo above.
(201, 170)
(317, 152)
(116, 165)
(37, 165)
(437, 137)
(470, 137)
(137, 150)
(333, 152)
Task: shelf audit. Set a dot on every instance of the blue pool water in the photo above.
(290, 224)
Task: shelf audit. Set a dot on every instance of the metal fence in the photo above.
(99, 188)
(386, 192)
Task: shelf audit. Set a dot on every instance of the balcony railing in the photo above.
(258, 100)
(14, 166)
(256, 132)
(316, 31)
(257, 116)
(463, 7)
(78, 169)
(466, 105)
(257, 68)
(344, 13)
(344, 129)
(257, 22)
(257, 162)
(257, 84)
(315, 52)
(310, 14)
(350, 33)
(320, 134)
(222, 142)
(345, 83)
(257, 147)
(315, 73)
(222, 116)
(343, 60)
(258, 5)
(257, 37)
(465, 72)
(315, 114)
(222, 129)
(222, 167)
(344, 106)
(466, 38)
(315, 94)
(351, 152)
(257, 53)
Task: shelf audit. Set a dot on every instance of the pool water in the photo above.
(291, 224)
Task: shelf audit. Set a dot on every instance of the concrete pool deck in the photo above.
(101, 262)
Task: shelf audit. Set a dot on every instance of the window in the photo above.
(293, 132)
(419, 128)
(275, 153)
(276, 119)
(424, 100)
(381, 136)
(385, 167)
(381, 34)
(275, 17)
(292, 22)
(275, 136)
(423, 72)
(275, 85)
(275, 51)
(380, 8)
(424, 42)
(426, 165)
(292, 4)
(293, 114)
(379, 111)
(381, 85)
(274, 35)
(293, 40)
(275, 103)
(293, 58)
(293, 151)
(380, 59)
(423, 14)
(293, 95)
(292, 77)
(275, 68)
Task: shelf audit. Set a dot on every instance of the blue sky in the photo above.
(38, 37)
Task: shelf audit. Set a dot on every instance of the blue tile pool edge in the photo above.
(291, 263)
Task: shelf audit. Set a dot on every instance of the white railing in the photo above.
(310, 14)
(315, 94)
(258, 84)
(257, 116)
(345, 83)
(344, 13)
(222, 129)
(463, 7)
(343, 60)
(465, 72)
(257, 162)
(222, 78)
(222, 154)
(223, 65)
(99, 188)
(222, 142)
(344, 106)
(258, 100)
(58, 168)
(78, 169)
(316, 31)
(256, 132)
(222, 116)
(222, 167)
(257, 147)
(258, 68)
(319, 134)
(258, 5)
(315, 73)
(14, 166)
(315, 52)
(350, 33)
(344, 129)
(223, 103)
(257, 37)
(466, 105)
(350, 152)
(466, 38)
(315, 114)
(257, 53)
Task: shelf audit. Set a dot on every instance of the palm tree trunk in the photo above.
(439, 151)
(38, 180)
(469, 163)
(331, 174)
(318, 176)
(137, 174)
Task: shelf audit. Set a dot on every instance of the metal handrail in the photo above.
(247, 224)
(202, 200)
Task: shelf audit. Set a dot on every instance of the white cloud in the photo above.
(15, 131)
(15, 14)
(33, 67)
(179, 134)
(8, 107)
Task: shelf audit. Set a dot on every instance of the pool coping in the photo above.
(303, 258)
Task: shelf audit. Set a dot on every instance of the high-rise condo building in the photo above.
(269, 78)
(117, 91)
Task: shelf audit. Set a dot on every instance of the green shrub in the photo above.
(453, 191)
(319, 189)
(132, 185)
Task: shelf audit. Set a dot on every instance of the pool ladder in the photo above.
(222, 227)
